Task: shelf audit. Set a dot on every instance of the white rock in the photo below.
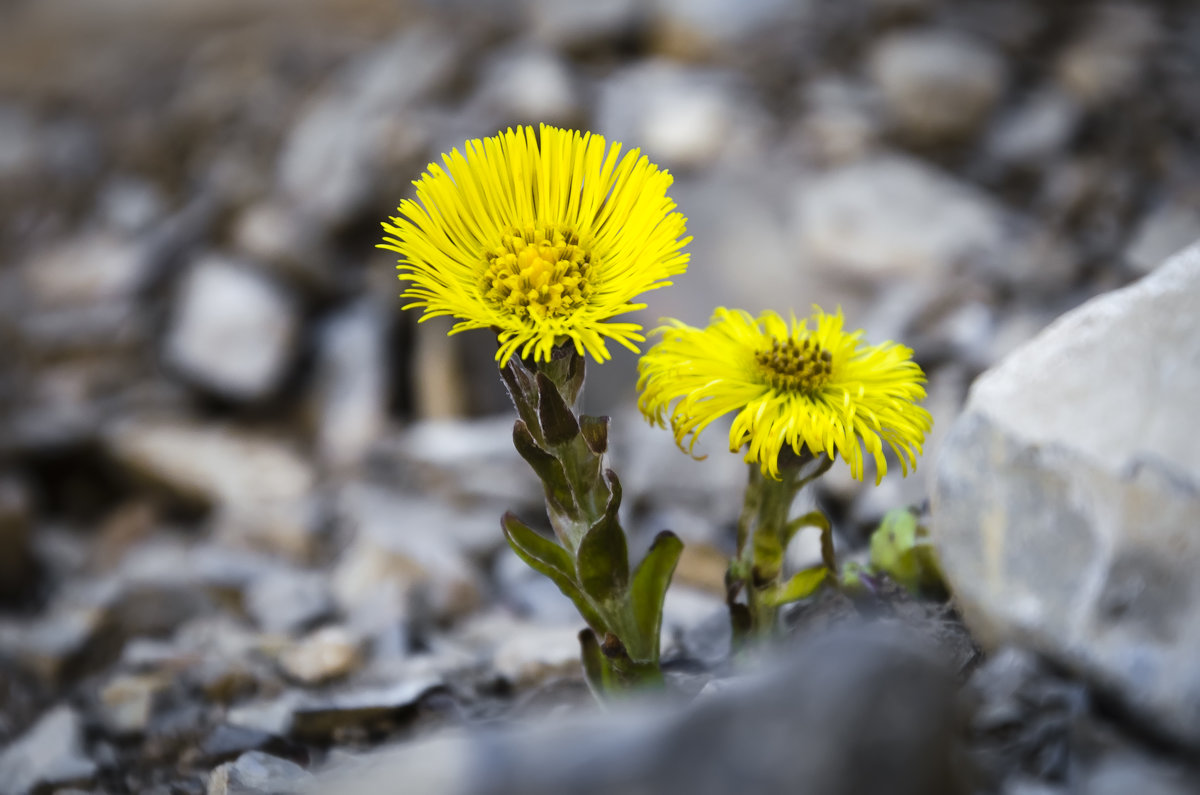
(710, 27)
(530, 84)
(533, 653)
(1038, 129)
(936, 84)
(1066, 496)
(288, 601)
(232, 330)
(335, 156)
(579, 24)
(894, 216)
(682, 118)
(254, 773)
(49, 755)
(85, 271)
(351, 384)
(327, 654)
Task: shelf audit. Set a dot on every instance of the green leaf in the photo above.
(597, 670)
(522, 390)
(894, 548)
(548, 558)
(557, 421)
(548, 468)
(602, 558)
(800, 585)
(649, 586)
(595, 433)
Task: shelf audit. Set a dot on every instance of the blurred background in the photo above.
(201, 349)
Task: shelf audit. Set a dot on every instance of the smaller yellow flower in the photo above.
(807, 384)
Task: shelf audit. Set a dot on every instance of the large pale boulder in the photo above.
(1067, 497)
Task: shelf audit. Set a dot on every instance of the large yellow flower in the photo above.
(541, 240)
(806, 386)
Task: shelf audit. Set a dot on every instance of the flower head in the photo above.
(542, 240)
(805, 384)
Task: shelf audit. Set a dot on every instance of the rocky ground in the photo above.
(249, 511)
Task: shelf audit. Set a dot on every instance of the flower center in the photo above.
(539, 271)
(796, 368)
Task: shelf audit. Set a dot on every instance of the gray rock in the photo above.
(52, 644)
(938, 85)
(706, 28)
(126, 702)
(582, 24)
(1065, 494)
(1036, 130)
(289, 601)
(257, 773)
(49, 755)
(1121, 773)
(682, 118)
(530, 84)
(406, 546)
(841, 121)
(351, 384)
(232, 330)
(835, 701)
(1166, 229)
(1107, 60)
(334, 159)
(894, 216)
(278, 237)
(131, 206)
(318, 718)
(530, 654)
(329, 653)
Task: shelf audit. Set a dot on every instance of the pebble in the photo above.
(289, 601)
(232, 331)
(49, 755)
(328, 654)
(257, 773)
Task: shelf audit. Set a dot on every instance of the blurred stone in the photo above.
(528, 593)
(227, 742)
(18, 568)
(1126, 772)
(1165, 230)
(289, 601)
(409, 550)
(440, 384)
(19, 145)
(127, 702)
(232, 330)
(936, 84)
(1036, 130)
(894, 216)
(329, 653)
(86, 270)
(335, 158)
(1108, 58)
(530, 85)
(1064, 494)
(276, 236)
(351, 383)
(367, 708)
(531, 654)
(839, 692)
(841, 121)
(470, 460)
(573, 25)
(131, 206)
(257, 773)
(211, 464)
(50, 646)
(704, 28)
(48, 756)
(682, 118)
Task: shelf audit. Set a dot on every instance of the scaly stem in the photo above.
(763, 533)
(590, 563)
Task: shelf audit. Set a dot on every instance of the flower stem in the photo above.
(763, 533)
(590, 562)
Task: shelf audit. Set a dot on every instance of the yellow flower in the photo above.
(541, 240)
(807, 384)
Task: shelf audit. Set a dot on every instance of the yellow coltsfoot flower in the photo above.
(808, 385)
(543, 238)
